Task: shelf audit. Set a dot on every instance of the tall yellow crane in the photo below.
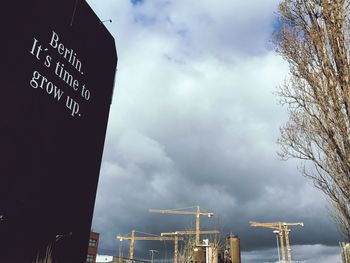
(132, 239)
(286, 231)
(198, 213)
(282, 228)
(181, 233)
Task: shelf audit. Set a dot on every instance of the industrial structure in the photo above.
(280, 228)
(210, 250)
(117, 259)
(233, 249)
(189, 232)
(198, 213)
(132, 239)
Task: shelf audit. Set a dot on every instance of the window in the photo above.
(90, 258)
(92, 242)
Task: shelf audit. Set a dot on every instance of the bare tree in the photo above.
(314, 38)
(216, 246)
(185, 255)
(47, 258)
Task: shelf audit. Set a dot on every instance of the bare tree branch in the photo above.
(314, 38)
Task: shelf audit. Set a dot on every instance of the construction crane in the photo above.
(282, 228)
(133, 238)
(286, 231)
(198, 213)
(189, 232)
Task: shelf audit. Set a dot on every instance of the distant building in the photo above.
(206, 252)
(233, 249)
(104, 259)
(198, 255)
(213, 254)
(92, 249)
(114, 259)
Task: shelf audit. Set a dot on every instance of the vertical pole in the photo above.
(197, 225)
(278, 247)
(176, 249)
(152, 254)
(282, 243)
(120, 253)
(132, 241)
(286, 231)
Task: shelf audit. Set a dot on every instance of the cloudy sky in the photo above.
(194, 121)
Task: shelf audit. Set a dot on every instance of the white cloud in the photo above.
(194, 121)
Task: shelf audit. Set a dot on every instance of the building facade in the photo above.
(92, 249)
(233, 249)
(115, 259)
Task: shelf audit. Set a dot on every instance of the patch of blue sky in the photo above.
(136, 2)
(277, 24)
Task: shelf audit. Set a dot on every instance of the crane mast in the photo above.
(286, 232)
(198, 213)
(283, 233)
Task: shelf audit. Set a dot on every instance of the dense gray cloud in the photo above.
(194, 121)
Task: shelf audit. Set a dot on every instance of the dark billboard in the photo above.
(58, 64)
